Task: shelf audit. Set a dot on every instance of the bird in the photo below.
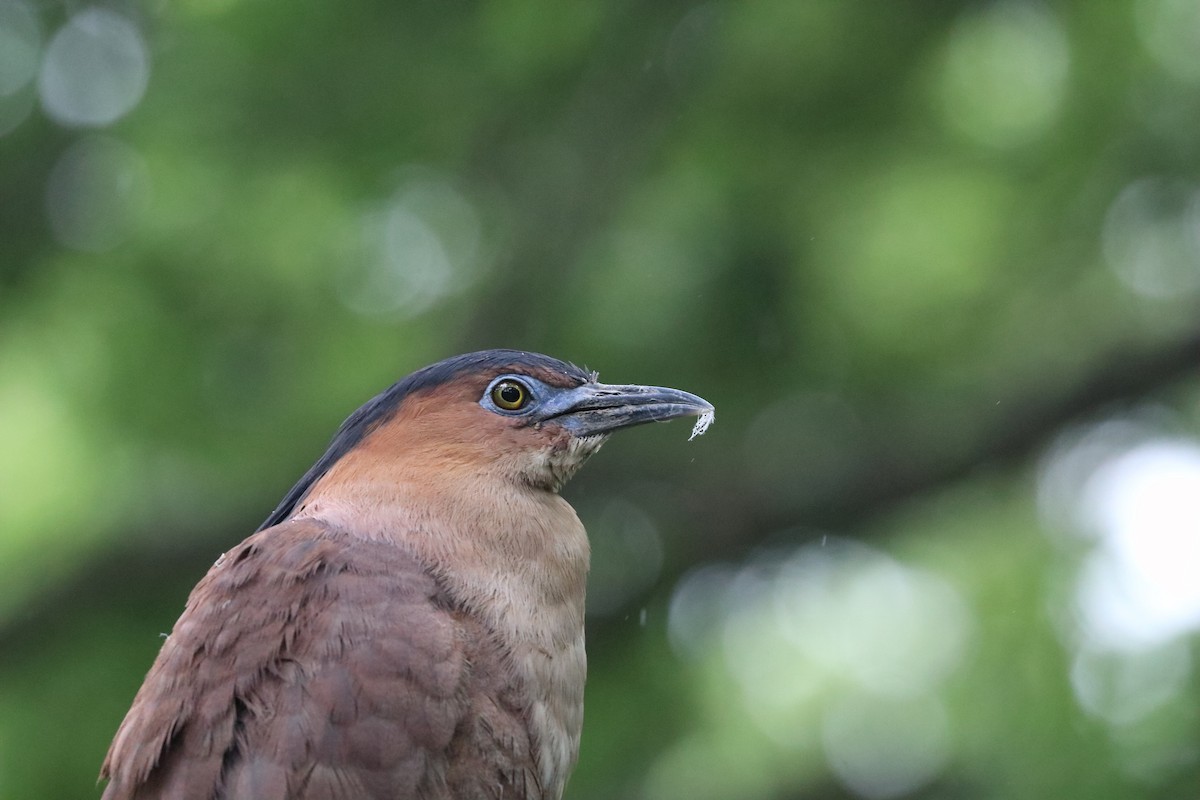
(409, 620)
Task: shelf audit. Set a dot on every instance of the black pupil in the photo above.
(510, 394)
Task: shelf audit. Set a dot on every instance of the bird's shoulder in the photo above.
(312, 663)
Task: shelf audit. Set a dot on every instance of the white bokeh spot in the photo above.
(1140, 588)
(95, 70)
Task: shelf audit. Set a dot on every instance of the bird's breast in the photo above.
(517, 560)
(535, 601)
(556, 709)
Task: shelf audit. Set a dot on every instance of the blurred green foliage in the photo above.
(936, 264)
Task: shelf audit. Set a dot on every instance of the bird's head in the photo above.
(520, 416)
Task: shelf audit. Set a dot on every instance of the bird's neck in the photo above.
(487, 540)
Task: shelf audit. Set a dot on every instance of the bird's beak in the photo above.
(597, 408)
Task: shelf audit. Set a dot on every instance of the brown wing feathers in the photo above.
(320, 666)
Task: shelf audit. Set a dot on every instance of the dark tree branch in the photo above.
(1022, 424)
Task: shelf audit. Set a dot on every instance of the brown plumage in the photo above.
(408, 623)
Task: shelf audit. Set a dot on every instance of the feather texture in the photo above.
(316, 665)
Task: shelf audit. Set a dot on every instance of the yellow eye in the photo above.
(510, 395)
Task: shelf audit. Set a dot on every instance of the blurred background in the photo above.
(936, 264)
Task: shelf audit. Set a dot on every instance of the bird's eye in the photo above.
(510, 395)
